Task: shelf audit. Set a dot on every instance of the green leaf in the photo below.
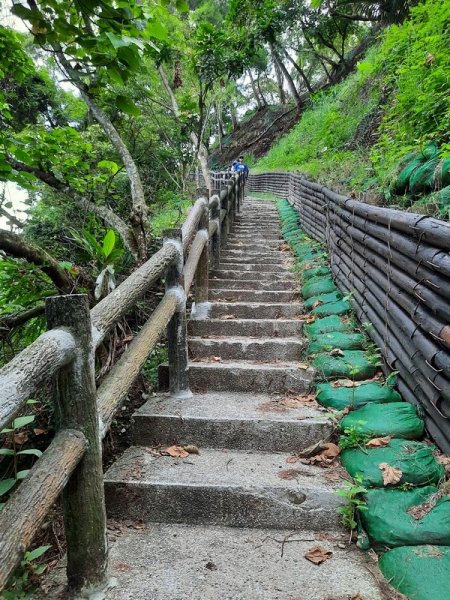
(127, 106)
(6, 452)
(22, 474)
(109, 242)
(22, 421)
(108, 165)
(25, 13)
(31, 451)
(182, 6)
(36, 553)
(6, 485)
(156, 30)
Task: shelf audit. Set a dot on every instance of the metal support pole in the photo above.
(76, 408)
(176, 329)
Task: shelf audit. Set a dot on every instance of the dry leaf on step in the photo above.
(226, 317)
(288, 473)
(297, 401)
(214, 359)
(318, 555)
(317, 303)
(310, 319)
(292, 459)
(176, 452)
(391, 475)
(303, 365)
(357, 597)
(326, 456)
(380, 442)
(191, 449)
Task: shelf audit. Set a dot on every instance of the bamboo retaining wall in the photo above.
(396, 265)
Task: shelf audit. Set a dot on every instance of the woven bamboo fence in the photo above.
(396, 267)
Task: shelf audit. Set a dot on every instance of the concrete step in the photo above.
(227, 420)
(191, 562)
(232, 488)
(244, 376)
(248, 234)
(254, 310)
(252, 295)
(273, 328)
(247, 348)
(251, 284)
(256, 267)
(284, 261)
(253, 245)
(254, 275)
(248, 251)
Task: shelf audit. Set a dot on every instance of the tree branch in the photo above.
(15, 245)
(11, 321)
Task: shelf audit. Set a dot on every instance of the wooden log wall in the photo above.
(397, 267)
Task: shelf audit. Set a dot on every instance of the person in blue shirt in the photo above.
(239, 165)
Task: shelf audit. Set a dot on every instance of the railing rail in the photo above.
(71, 465)
(396, 267)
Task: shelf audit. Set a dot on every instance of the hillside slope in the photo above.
(356, 134)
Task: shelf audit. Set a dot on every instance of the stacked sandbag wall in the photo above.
(398, 501)
(395, 267)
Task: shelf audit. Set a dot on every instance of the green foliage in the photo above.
(353, 496)
(14, 437)
(353, 438)
(405, 79)
(22, 583)
(169, 211)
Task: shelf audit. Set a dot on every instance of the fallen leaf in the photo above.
(357, 597)
(21, 438)
(215, 358)
(176, 452)
(271, 407)
(336, 352)
(317, 303)
(345, 383)
(122, 567)
(380, 442)
(38, 431)
(226, 317)
(297, 401)
(292, 459)
(191, 449)
(303, 365)
(310, 319)
(326, 456)
(318, 555)
(288, 473)
(391, 475)
(445, 461)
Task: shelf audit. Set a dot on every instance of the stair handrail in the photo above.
(71, 464)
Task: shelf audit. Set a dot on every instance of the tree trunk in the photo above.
(105, 213)
(220, 133)
(15, 245)
(139, 212)
(255, 91)
(291, 84)
(300, 71)
(279, 75)
(200, 148)
(259, 90)
(233, 115)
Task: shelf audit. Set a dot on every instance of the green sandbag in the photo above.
(422, 180)
(341, 397)
(388, 523)
(398, 419)
(319, 271)
(325, 325)
(443, 198)
(401, 183)
(317, 286)
(322, 299)
(419, 572)
(336, 339)
(332, 308)
(442, 174)
(353, 364)
(415, 460)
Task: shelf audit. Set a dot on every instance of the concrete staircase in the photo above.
(246, 358)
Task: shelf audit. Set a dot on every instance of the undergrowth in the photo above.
(399, 99)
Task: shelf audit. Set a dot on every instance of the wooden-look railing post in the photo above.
(76, 408)
(176, 329)
(225, 205)
(202, 272)
(216, 238)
